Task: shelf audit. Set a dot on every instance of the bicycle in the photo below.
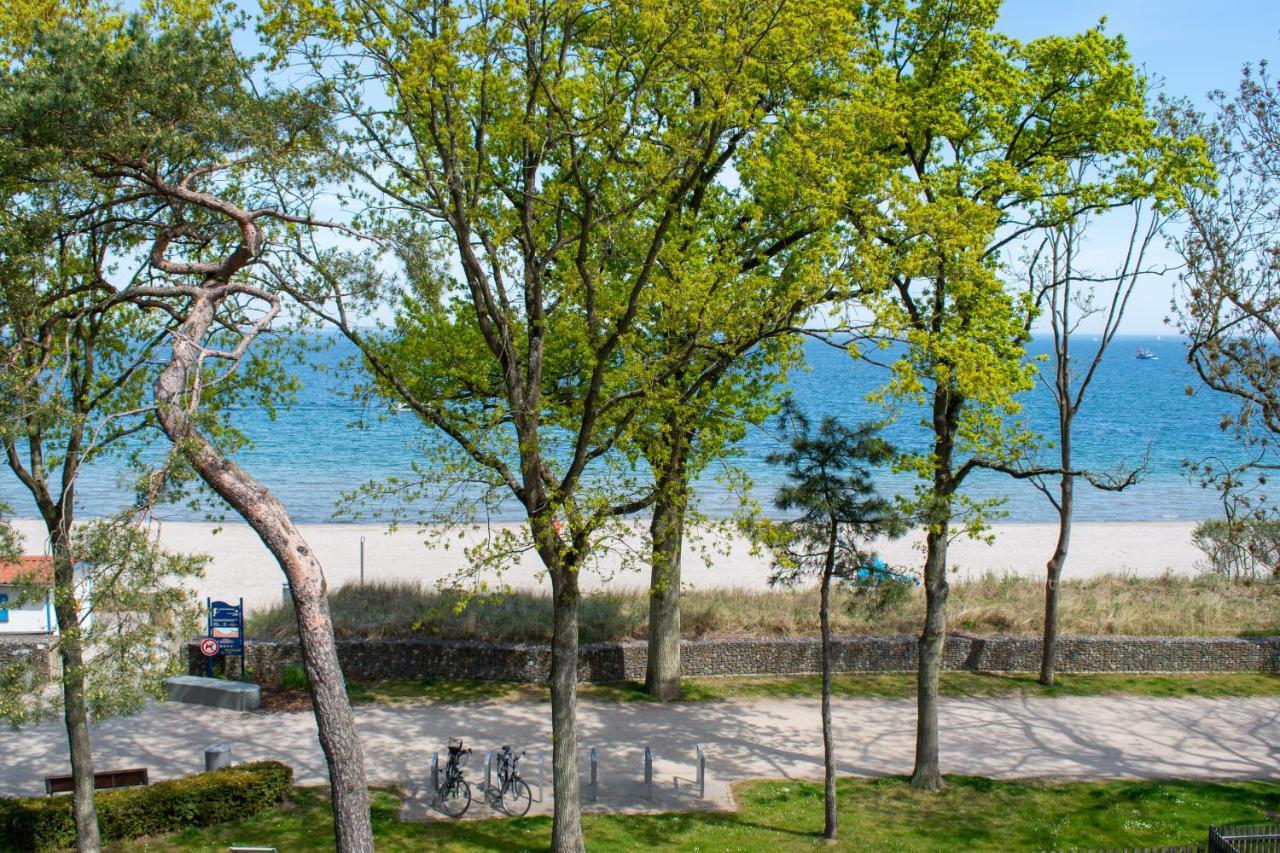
(454, 794)
(512, 794)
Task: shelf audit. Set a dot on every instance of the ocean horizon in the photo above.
(1136, 409)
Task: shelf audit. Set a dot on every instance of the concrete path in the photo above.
(1076, 738)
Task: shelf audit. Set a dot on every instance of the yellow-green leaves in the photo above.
(993, 140)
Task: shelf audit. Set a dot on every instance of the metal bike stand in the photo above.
(542, 773)
(488, 766)
(702, 770)
(435, 777)
(595, 784)
(648, 772)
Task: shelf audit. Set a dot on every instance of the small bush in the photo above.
(1243, 549)
(876, 599)
(293, 678)
(46, 823)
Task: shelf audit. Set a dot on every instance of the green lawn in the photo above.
(876, 814)
(894, 686)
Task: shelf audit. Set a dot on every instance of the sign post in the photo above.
(226, 628)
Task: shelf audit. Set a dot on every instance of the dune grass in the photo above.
(1170, 606)
(972, 814)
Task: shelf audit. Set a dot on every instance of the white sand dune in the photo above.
(242, 566)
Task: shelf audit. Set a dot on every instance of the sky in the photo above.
(1194, 46)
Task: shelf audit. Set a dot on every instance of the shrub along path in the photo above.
(1008, 737)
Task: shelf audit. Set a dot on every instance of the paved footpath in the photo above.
(1069, 738)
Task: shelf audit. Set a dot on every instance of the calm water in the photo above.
(311, 454)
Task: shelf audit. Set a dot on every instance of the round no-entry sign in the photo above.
(209, 647)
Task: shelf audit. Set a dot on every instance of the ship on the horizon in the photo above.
(1145, 354)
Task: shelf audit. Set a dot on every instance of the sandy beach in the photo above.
(242, 566)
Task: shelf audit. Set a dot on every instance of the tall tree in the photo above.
(554, 156)
(987, 131)
(1068, 292)
(727, 327)
(829, 482)
(1229, 309)
(71, 390)
(170, 125)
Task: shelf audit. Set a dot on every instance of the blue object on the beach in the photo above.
(875, 571)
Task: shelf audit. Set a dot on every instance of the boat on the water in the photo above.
(1145, 354)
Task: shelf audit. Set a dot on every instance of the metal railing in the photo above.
(1245, 838)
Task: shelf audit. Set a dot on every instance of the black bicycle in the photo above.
(512, 794)
(454, 794)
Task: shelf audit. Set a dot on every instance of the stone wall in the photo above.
(372, 660)
(35, 650)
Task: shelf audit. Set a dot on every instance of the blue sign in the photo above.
(226, 625)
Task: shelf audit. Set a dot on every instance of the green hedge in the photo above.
(46, 823)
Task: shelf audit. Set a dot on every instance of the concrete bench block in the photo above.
(214, 692)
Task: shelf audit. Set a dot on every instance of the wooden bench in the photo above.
(101, 781)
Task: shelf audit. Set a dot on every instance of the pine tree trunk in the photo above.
(75, 712)
(270, 520)
(662, 670)
(566, 825)
(828, 744)
(1053, 570)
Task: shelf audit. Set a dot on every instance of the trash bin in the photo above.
(217, 756)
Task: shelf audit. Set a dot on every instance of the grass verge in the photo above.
(973, 814)
(880, 686)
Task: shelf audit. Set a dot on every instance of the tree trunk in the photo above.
(828, 744)
(662, 671)
(1066, 506)
(270, 520)
(75, 712)
(927, 774)
(566, 824)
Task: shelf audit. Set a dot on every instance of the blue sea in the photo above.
(311, 454)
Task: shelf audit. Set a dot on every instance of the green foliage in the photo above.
(233, 793)
(872, 599)
(1245, 548)
(10, 539)
(90, 119)
(829, 482)
(294, 678)
(589, 299)
(972, 814)
(136, 617)
(992, 140)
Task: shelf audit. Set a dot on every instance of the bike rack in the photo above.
(435, 777)
(595, 784)
(702, 770)
(488, 766)
(542, 772)
(648, 772)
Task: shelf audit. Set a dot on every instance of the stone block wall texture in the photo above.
(36, 653)
(373, 660)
